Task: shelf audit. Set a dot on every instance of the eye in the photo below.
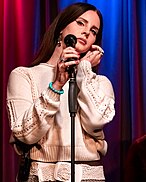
(79, 22)
(94, 32)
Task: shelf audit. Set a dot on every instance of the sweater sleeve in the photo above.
(29, 119)
(95, 98)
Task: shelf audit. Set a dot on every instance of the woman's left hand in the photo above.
(94, 55)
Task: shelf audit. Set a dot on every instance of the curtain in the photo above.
(22, 25)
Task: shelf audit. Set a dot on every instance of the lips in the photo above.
(82, 41)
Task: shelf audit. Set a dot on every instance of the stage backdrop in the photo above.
(22, 24)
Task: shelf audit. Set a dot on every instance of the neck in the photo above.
(55, 56)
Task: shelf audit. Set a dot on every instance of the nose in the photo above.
(86, 32)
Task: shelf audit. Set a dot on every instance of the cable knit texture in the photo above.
(38, 115)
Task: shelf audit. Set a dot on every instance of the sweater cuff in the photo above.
(54, 96)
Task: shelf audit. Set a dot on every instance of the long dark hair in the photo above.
(68, 15)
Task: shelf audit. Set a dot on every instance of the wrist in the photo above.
(56, 89)
(57, 85)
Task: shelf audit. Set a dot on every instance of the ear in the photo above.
(60, 35)
(59, 40)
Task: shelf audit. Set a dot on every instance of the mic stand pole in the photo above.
(72, 97)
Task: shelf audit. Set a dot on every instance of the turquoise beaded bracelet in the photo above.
(54, 90)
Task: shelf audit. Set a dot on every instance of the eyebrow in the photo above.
(86, 21)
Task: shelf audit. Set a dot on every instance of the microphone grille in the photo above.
(70, 40)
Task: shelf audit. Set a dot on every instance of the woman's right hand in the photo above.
(62, 75)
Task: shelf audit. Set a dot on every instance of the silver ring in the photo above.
(62, 60)
(90, 55)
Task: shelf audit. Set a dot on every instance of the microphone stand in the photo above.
(71, 40)
(72, 97)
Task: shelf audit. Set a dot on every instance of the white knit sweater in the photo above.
(37, 114)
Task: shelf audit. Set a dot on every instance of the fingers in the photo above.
(68, 53)
(62, 60)
(63, 65)
(68, 57)
(95, 51)
(98, 48)
(94, 55)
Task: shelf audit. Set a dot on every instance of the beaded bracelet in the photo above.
(54, 90)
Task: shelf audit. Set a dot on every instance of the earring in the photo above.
(59, 41)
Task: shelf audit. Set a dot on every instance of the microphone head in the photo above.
(70, 40)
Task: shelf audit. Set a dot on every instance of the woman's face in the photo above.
(85, 28)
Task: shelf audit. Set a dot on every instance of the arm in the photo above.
(96, 99)
(30, 119)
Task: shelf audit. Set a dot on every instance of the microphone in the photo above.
(70, 41)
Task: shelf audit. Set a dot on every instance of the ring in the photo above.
(90, 55)
(62, 60)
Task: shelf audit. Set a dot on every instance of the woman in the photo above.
(37, 99)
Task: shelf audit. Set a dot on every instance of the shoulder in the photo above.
(25, 71)
(20, 70)
(18, 78)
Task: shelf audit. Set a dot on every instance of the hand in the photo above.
(94, 55)
(62, 75)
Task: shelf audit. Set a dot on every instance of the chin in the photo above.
(81, 51)
(81, 48)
